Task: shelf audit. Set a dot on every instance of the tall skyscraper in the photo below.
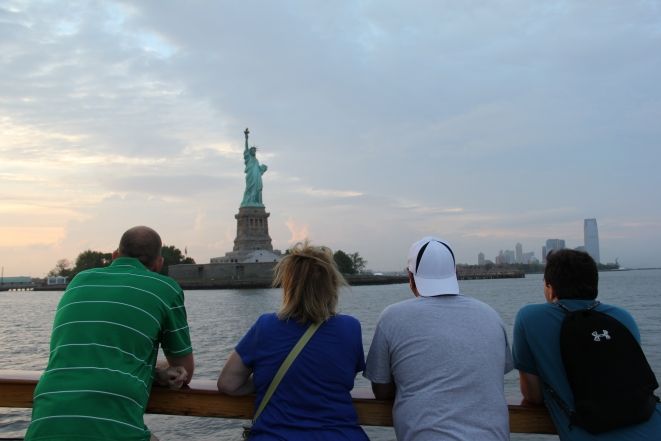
(591, 238)
(552, 245)
(505, 257)
(480, 258)
(519, 253)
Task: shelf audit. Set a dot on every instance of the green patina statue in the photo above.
(252, 196)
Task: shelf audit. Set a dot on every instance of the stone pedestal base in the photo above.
(252, 230)
(253, 243)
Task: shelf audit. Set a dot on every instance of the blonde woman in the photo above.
(313, 400)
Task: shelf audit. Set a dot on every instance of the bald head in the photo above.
(143, 243)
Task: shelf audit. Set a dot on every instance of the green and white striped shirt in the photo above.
(104, 344)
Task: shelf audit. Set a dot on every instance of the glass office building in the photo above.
(591, 238)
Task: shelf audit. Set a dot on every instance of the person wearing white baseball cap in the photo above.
(433, 268)
(441, 355)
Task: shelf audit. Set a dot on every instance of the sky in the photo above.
(483, 123)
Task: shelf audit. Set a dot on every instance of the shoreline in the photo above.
(353, 280)
(266, 282)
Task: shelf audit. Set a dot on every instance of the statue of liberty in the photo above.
(252, 196)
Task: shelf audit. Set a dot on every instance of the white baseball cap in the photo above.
(431, 261)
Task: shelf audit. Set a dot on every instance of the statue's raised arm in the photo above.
(246, 132)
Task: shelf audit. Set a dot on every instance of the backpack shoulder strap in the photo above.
(567, 310)
(561, 403)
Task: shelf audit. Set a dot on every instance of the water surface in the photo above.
(218, 318)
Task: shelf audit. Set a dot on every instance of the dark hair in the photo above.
(572, 274)
(141, 242)
(310, 282)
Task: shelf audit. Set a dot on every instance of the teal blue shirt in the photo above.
(536, 350)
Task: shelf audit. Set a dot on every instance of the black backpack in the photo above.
(612, 382)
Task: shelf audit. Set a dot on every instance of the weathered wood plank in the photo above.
(202, 399)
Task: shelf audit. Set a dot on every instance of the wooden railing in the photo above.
(203, 400)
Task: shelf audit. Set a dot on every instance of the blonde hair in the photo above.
(310, 281)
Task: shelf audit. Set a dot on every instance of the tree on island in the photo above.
(349, 263)
(173, 256)
(96, 259)
(62, 268)
(86, 260)
(92, 259)
(358, 262)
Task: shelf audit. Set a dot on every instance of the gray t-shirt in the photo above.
(447, 356)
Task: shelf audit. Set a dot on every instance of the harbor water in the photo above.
(218, 318)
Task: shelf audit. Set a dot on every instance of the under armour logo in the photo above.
(597, 336)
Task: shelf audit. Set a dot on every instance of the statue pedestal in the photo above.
(252, 243)
(252, 230)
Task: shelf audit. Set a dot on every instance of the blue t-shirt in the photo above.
(313, 400)
(536, 350)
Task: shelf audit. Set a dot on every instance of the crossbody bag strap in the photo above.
(285, 366)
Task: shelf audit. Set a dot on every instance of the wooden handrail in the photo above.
(201, 398)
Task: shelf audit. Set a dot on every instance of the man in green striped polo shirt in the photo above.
(104, 345)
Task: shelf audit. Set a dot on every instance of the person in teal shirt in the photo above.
(570, 278)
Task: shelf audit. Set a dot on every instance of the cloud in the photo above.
(168, 185)
(331, 193)
(298, 232)
(30, 235)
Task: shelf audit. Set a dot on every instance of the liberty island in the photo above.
(251, 261)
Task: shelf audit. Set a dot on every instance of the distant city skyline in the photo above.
(507, 256)
(590, 245)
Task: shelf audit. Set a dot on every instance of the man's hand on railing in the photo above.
(170, 376)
